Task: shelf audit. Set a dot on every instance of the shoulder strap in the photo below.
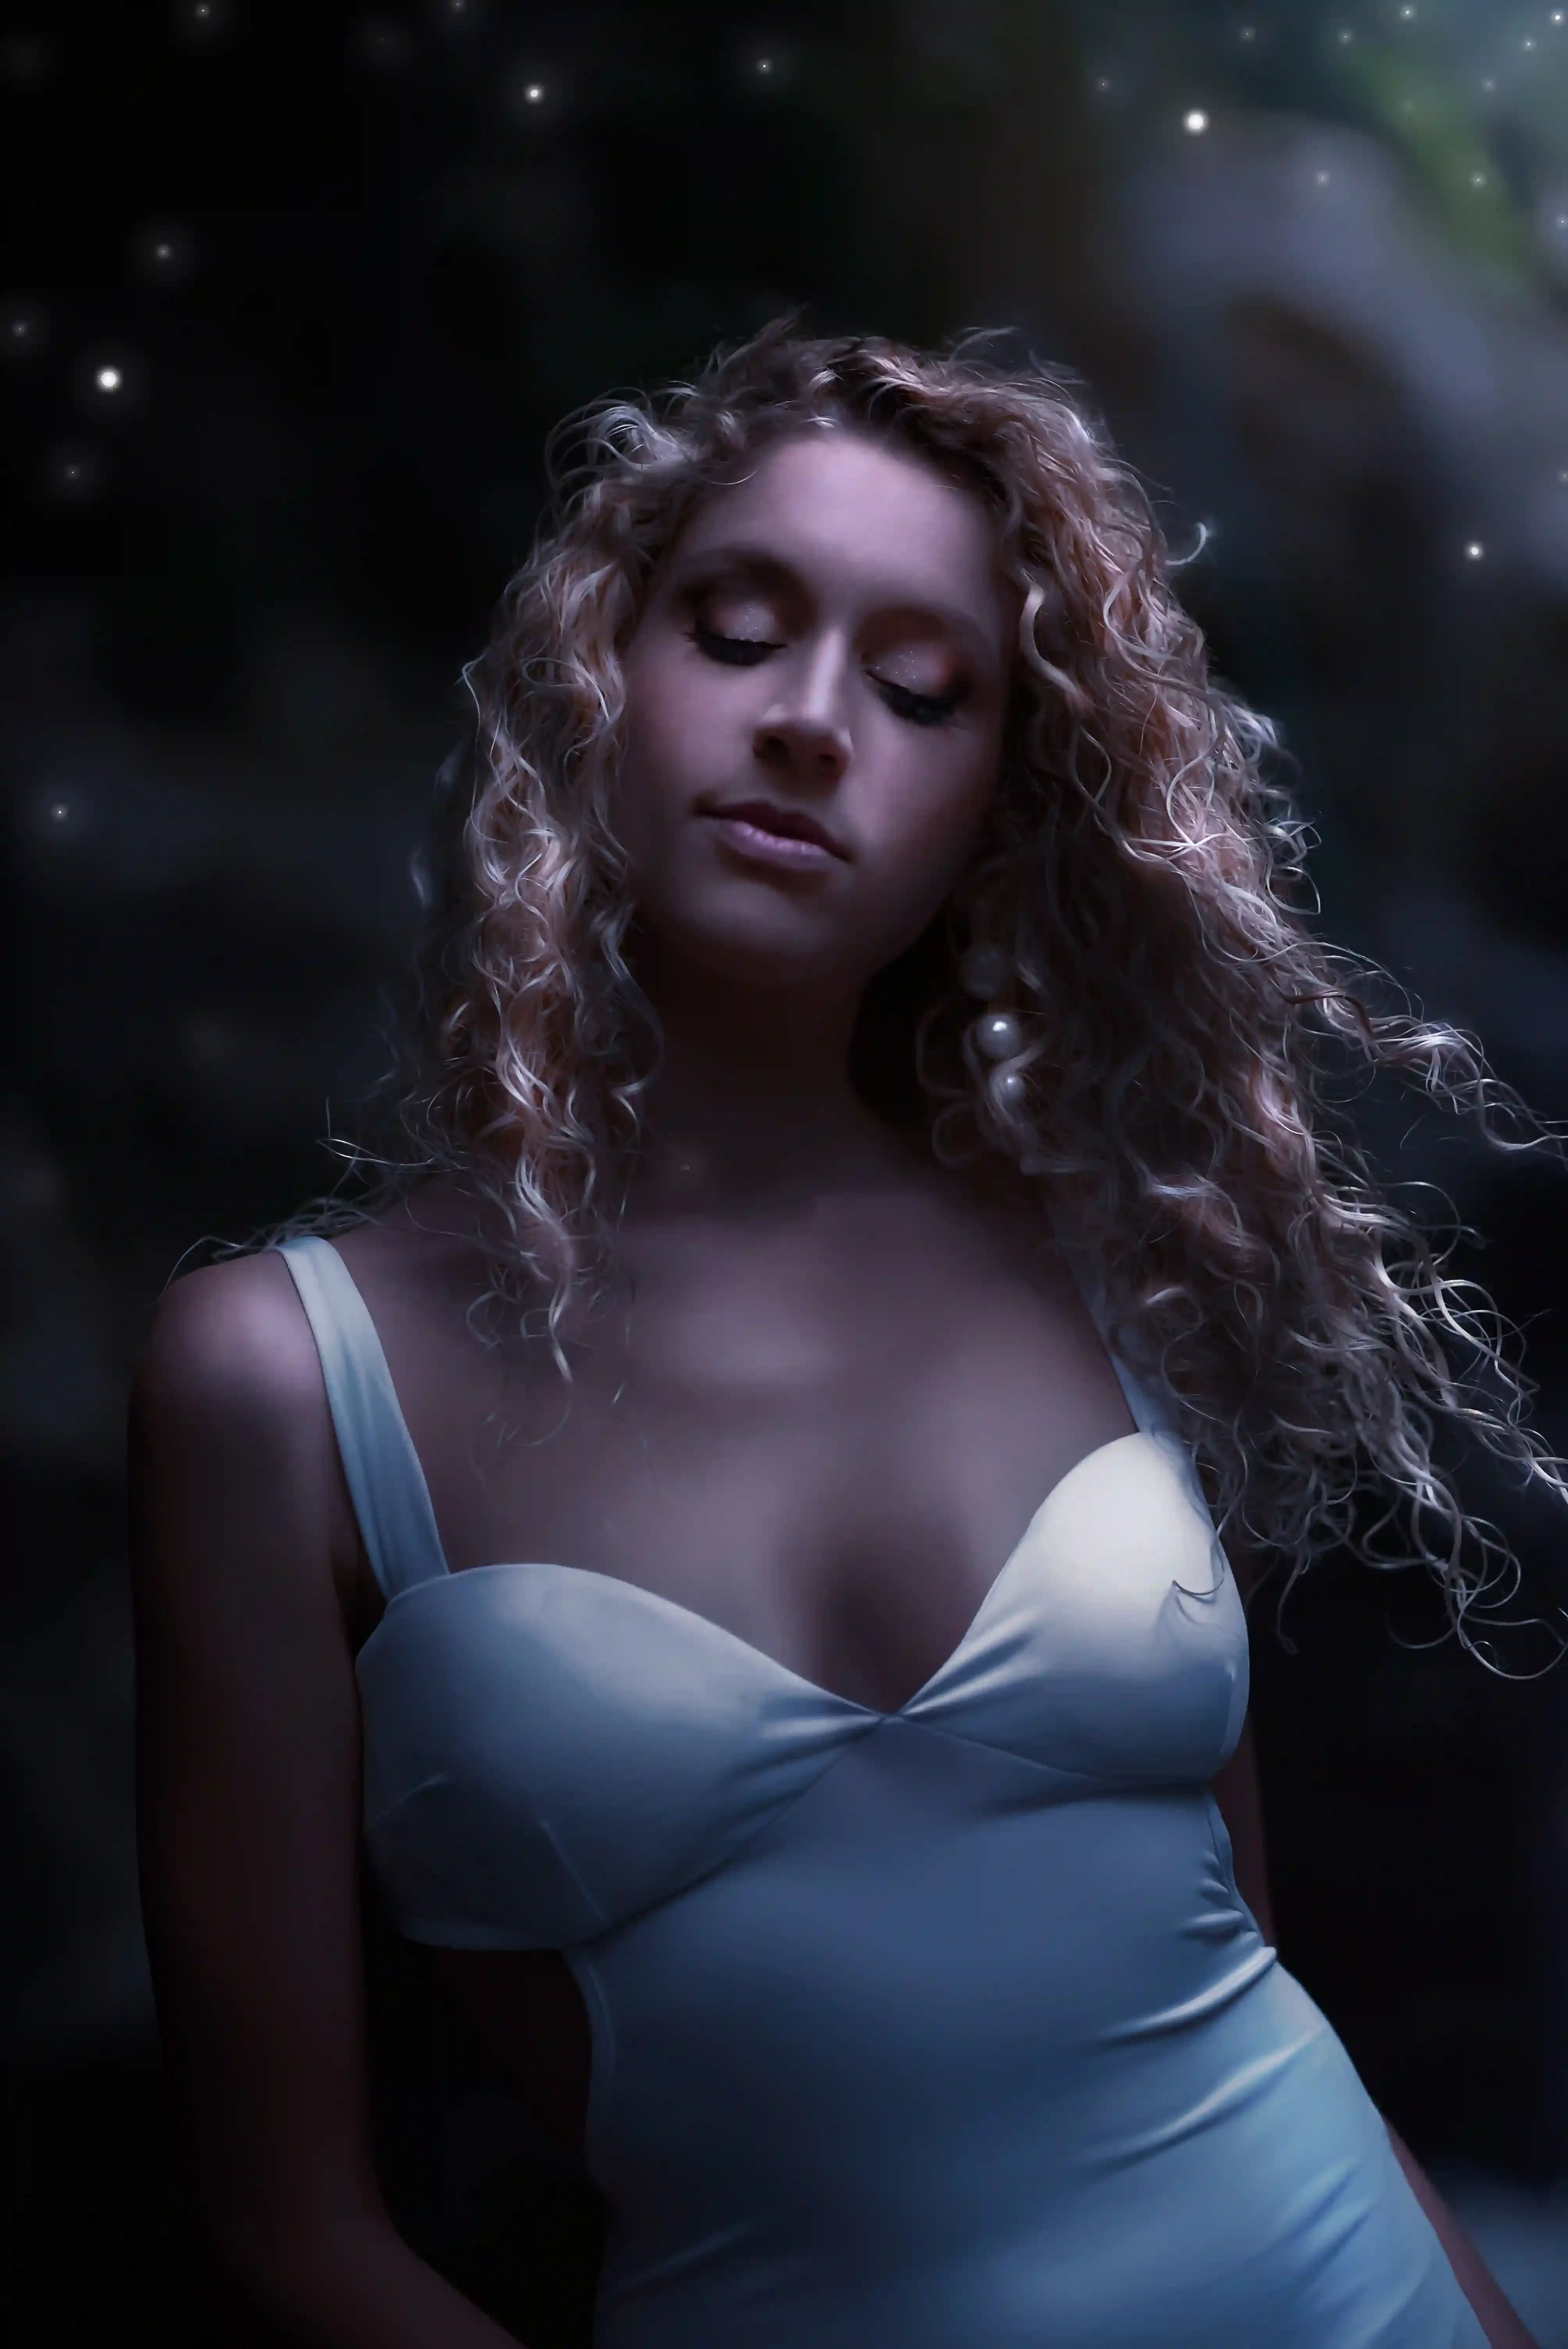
(1150, 1400)
(1150, 1407)
(391, 1498)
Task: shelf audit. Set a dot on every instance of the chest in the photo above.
(826, 1440)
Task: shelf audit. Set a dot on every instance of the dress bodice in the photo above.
(911, 2030)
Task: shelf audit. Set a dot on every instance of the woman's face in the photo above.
(832, 636)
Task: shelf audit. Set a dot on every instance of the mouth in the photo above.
(777, 823)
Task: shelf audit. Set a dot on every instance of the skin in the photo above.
(250, 1580)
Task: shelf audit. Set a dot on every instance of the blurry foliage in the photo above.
(1418, 86)
(1423, 113)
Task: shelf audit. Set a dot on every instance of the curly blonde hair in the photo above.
(1136, 869)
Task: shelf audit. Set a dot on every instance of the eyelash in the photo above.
(919, 709)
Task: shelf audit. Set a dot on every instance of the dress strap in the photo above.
(1153, 1406)
(1150, 1406)
(385, 1482)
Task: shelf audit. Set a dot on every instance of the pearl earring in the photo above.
(997, 1033)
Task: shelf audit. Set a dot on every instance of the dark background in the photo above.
(291, 299)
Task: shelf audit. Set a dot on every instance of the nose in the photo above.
(805, 728)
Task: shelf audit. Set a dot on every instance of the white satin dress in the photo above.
(945, 2028)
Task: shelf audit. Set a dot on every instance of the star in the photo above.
(27, 332)
(164, 253)
(204, 16)
(111, 380)
(75, 471)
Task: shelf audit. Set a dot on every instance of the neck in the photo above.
(752, 1102)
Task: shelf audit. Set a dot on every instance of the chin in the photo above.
(744, 946)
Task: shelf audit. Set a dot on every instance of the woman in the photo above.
(864, 1055)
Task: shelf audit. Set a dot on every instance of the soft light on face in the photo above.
(831, 634)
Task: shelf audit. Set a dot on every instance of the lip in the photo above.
(774, 822)
(759, 847)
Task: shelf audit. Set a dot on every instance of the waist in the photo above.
(1221, 2178)
(849, 1982)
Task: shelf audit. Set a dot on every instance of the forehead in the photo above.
(839, 511)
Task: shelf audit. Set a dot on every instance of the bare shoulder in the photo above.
(228, 1413)
(226, 1335)
(423, 1266)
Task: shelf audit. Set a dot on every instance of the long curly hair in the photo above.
(1180, 1021)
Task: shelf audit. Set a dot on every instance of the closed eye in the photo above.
(921, 709)
(746, 652)
(736, 650)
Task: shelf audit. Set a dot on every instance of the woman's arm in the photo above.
(248, 1792)
(1500, 2319)
(1237, 1792)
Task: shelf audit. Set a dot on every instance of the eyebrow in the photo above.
(756, 563)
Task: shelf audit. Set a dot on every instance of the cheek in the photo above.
(670, 737)
(918, 849)
(934, 830)
(647, 756)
